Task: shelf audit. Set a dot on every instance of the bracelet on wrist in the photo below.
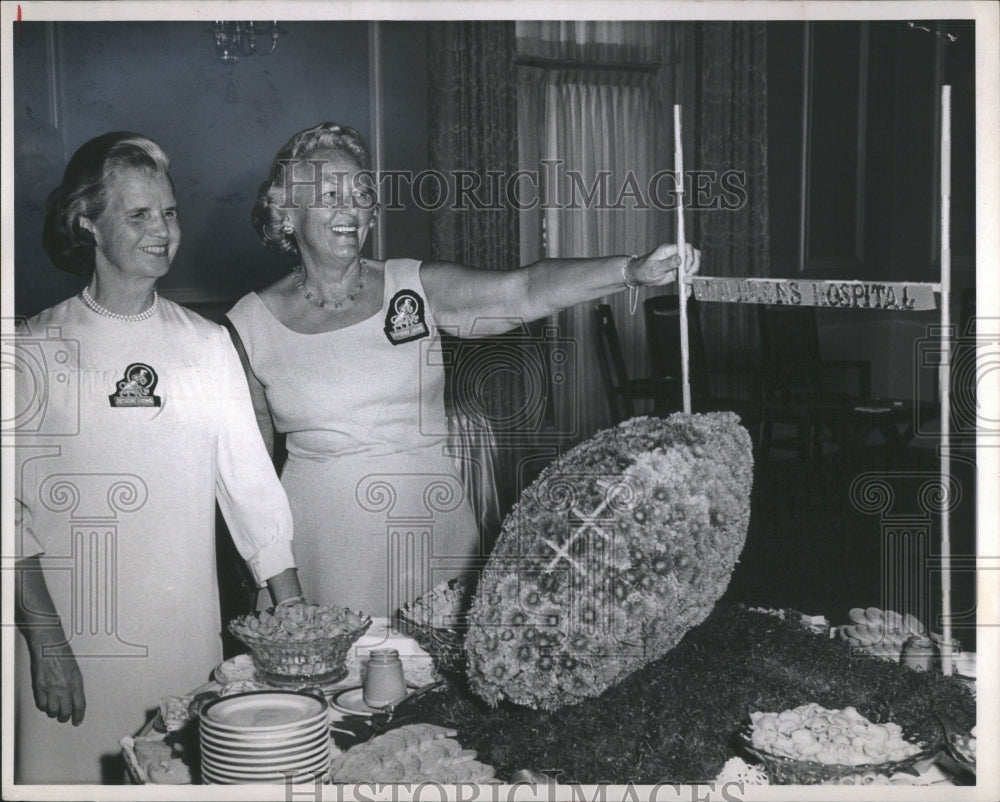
(633, 286)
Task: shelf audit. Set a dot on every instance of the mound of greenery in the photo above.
(674, 720)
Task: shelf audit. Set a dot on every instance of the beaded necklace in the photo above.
(323, 303)
(91, 304)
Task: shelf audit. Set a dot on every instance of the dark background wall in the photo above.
(220, 128)
(873, 176)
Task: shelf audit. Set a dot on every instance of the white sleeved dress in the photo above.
(380, 511)
(127, 433)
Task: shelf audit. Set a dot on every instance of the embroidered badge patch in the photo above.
(136, 389)
(404, 322)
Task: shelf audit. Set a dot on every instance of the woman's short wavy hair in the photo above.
(83, 193)
(267, 216)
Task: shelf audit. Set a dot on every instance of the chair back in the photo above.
(790, 350)
(611, 360)
(663, 335)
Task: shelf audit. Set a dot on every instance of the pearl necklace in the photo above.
(88, 299)
(323, 303)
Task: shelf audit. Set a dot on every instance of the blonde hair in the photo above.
(267, 214)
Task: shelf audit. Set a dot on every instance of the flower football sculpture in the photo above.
(616, 550)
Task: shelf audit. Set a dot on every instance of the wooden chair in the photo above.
(621, 389)
(796, 379)
(663, 335)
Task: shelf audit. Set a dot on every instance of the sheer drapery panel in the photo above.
(594, 119)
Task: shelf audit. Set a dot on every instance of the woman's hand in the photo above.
(57, 682)
(55, 677)
(659, 266)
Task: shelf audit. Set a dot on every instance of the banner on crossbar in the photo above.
(904, 296)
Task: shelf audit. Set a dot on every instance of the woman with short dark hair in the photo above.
(133, 419)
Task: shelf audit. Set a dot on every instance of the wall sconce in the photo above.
(234, 40)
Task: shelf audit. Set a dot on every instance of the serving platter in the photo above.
(225, 763)
(262, 711)
(351, 701)
(274, 746)
(216, 777)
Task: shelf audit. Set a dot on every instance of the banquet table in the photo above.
(419, 670)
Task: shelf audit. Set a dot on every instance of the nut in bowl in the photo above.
(302, 644)
(811, 744)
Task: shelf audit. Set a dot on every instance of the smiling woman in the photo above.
(117, 223)
(135, 418)
(137, 235)
(343, 356)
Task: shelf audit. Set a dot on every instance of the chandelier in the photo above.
(234, 40)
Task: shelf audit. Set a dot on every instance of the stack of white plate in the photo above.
(265, 737)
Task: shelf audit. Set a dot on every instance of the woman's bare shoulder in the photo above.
(278, 296)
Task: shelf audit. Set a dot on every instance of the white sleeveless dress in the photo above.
(379, 509)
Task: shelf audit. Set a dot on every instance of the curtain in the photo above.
(728, 86)
(598, 96)
(473, 127)
(599, 121)
(604, 41)
(599, 100)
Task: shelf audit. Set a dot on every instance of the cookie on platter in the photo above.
(412, 753)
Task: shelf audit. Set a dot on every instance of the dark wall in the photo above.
(900, 155)
(220, 127)
(897, 130)
(38, 163)
(405, 129)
